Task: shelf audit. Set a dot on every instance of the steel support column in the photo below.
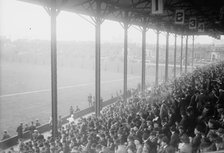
(186, 52)
(181, 55)
(125, 60)
(175, 56)
(192, 53)
(167, 57)
(157, 59)
(97, 60)
(143, 57)
(53, 14)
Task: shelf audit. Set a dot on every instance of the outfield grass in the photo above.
(25, 91)
(25, 87)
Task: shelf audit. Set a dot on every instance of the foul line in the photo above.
(60, 88)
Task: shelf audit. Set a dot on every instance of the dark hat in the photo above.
(173, 128)
(212, 121)
(205, 142)
(207, 106)
(165, 139)
(130, 137)
(218, 140)
(189, 109)
(199, 128)
(219, 106)
(145, 135)
(137, 138)
(183, 113)
(169, 150)
(181, 127)
(102, 135)
(220, 130)
(197, 91)
(184, 138)
(149, 122)
(153, 133)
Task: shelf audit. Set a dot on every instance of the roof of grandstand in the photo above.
(177, 16)
(169, 98)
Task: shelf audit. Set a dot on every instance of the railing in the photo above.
(12, 141)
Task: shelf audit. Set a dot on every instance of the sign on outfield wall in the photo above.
(157, 6)
(179, 17)
(192, 23)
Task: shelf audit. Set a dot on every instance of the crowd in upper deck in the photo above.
(185, 115)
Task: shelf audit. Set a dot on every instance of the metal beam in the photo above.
(157, 59)
(192, 53)
(186, 53)
(125, 60)
(167, 57)
(143, 57)
(97, 60)
(181, 55)
(54, 69)
(175, 56)
(141, 8)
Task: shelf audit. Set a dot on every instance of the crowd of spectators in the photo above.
(28, 128)
(185, 115)
(21, 129)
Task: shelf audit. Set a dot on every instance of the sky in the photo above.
(20, 20)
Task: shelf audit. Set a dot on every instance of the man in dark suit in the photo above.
(174, 139)
(196, 141)
(194, 99)
(19, 131)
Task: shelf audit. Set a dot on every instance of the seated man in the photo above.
(77, 109)
(37, 123)
(5, 135)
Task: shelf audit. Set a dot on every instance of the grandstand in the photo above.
(181, 114)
